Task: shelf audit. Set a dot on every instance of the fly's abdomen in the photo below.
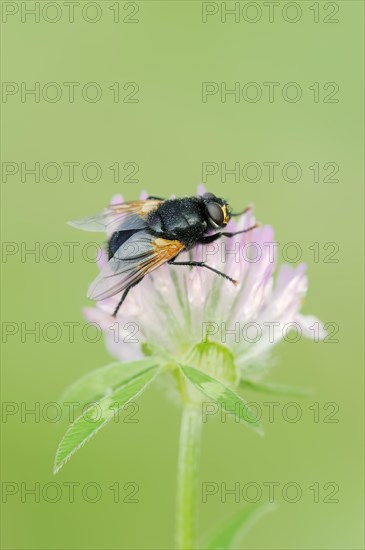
(117, 239)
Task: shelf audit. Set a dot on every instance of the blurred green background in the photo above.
(169, 133)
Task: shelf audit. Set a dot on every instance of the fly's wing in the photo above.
(119, 217)
(134, 259)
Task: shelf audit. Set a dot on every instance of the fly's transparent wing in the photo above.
(133, 260)
(118, 217)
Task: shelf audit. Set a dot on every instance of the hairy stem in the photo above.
(187, 474)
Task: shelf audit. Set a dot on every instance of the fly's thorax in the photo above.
(181, 219)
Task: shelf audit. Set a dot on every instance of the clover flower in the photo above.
(176, 308)
(212, 338)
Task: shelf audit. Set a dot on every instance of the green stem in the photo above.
(187, 477)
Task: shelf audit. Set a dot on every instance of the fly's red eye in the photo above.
(215, 212)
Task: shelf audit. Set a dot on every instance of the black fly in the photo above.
(146, 234)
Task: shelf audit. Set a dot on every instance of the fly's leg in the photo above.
(124, 295)
(224, 234)
(211, 238)
(203, 264)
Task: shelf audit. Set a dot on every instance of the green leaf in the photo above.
(232, 531)
(278, 389)
(223, 396)
(102, 382)
(97, 415)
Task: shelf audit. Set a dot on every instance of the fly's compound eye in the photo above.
(215, 213)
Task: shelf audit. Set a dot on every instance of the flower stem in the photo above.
(189, 450)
